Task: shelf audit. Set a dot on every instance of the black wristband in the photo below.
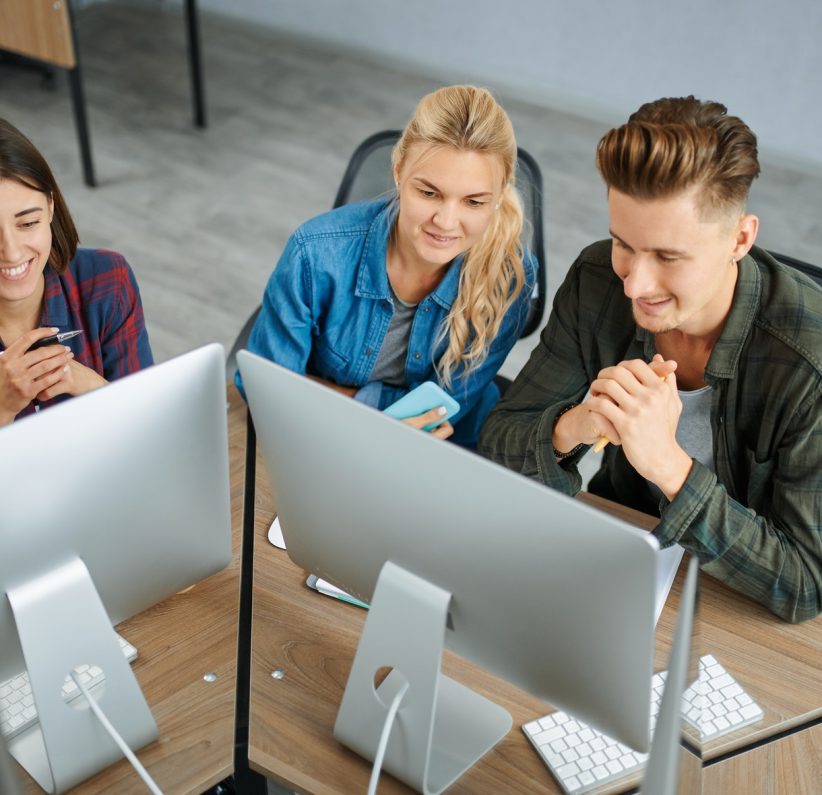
(560, 456)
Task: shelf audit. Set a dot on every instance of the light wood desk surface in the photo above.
(312, 639)
(789, 766)
(38, 29)
(178, 641)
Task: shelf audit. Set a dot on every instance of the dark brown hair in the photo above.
(22, 162)
(673, 144)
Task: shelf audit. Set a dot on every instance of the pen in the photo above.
(55, 339)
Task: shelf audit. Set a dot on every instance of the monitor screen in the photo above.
(542, 590)
(111, 502)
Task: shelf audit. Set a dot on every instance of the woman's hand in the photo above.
(25, 374)
(442, 431)
(77, 379)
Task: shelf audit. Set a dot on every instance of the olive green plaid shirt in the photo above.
(755, 524)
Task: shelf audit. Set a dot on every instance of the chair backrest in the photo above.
(813, 271)
(368, 174)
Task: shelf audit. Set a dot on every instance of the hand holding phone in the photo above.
(425, 397)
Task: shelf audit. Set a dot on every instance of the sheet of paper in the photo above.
(325, 587)
(668, 561)
(275, 534)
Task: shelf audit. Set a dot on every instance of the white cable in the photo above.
(129, 754)
(383, 743)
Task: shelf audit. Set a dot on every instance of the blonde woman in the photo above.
(428, 284)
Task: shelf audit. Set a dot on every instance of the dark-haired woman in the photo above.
(48, 286)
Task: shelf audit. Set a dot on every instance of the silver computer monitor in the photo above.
(9, 783)
(550, 594)
(110, 502)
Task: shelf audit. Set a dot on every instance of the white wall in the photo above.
(598, 58)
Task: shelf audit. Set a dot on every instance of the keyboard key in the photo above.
(600, 772)
(549, 735)
(751, 711)
(568, 770)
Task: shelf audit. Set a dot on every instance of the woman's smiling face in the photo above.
(25, 240)
(447, 199)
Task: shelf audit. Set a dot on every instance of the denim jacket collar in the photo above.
(727, 350)
(372, 277)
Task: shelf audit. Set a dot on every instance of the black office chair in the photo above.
(813, 271)
(368, 175)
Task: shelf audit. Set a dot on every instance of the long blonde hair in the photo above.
(469, 119)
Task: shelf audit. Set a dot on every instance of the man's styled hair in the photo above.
(673, 144)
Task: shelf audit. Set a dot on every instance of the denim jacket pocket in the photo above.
(328, 362)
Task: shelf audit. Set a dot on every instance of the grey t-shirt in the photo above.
(390, 365)
(693, 433)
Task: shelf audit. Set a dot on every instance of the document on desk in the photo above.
(667, 567)
(325, 587)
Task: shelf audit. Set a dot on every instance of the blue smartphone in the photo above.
(423, 398)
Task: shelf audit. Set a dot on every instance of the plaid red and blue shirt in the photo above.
(98, 294)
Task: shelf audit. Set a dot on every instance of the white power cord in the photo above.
(383, 743)
(129, 754)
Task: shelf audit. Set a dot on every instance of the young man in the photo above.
(703, 358)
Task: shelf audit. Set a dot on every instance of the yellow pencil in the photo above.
(600, 444)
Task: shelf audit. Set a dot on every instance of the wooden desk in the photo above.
(40, 29)
(792, 765)
(44, 30)
(779, 664)
(311, 639)
(180, 640)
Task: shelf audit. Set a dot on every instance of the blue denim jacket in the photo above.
(327, 307)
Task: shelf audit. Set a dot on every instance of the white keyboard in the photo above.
(582, 758)
(17, 710)
(725, 706)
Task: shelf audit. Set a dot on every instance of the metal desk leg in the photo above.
(246, 781)
(78, 102)
(195, 64)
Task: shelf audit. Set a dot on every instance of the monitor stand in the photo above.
(62, 624)
(442, 728)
